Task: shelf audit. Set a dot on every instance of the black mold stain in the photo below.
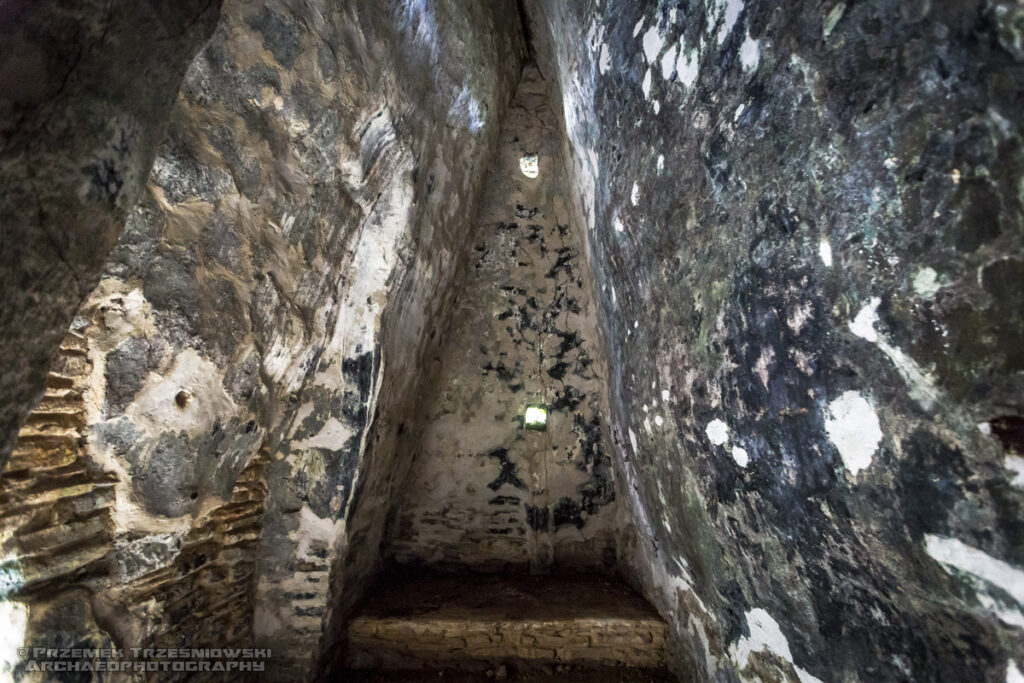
(567, 512)
(508, 473)
(1009, 429)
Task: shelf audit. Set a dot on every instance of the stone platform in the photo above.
(518, 626)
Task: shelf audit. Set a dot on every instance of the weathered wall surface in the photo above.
(272, 295)
(806, 227)
(483, 492)
(78, 132)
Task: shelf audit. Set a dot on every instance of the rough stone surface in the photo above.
(799, 427)
(476, 623)
(804, 222)
(85, 93)
(483, 491)
(320, 166)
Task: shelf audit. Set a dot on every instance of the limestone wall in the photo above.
(261, 314)
(484, 492)
(804, 221)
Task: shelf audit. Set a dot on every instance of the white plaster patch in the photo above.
(659, 420)
(661, 163)
(665, 395)
(657, 107)
(739, 112)
(1013, 672)
(13, 624)
(750, 54)
(952, 553)
(921, 387)
(634, 195)
(652, 44)
(853, 427)
(740, 456)
(155, 409)
(617, 224)
(732, 13)
(926, 283)
(687, 72)
(639, 26)
(825, 252)
(646, 85)
(717, 431)
(1015, 464)
(765, 634)
(863, 324)
(632, 441)
(604, 62)
(668, 62)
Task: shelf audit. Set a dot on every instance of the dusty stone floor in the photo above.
(524, 627)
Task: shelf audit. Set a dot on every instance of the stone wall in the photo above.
(85, 93)
(72, 575)
(270, 299)
(56, 528)
(484, 492)
(805, 223)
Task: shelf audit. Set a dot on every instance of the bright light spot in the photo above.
(634, 195)
(529, 165)
(536, 417)
(740, 456)
(13, 623)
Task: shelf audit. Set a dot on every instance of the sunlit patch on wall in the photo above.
(529, 165)
(536, 417)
